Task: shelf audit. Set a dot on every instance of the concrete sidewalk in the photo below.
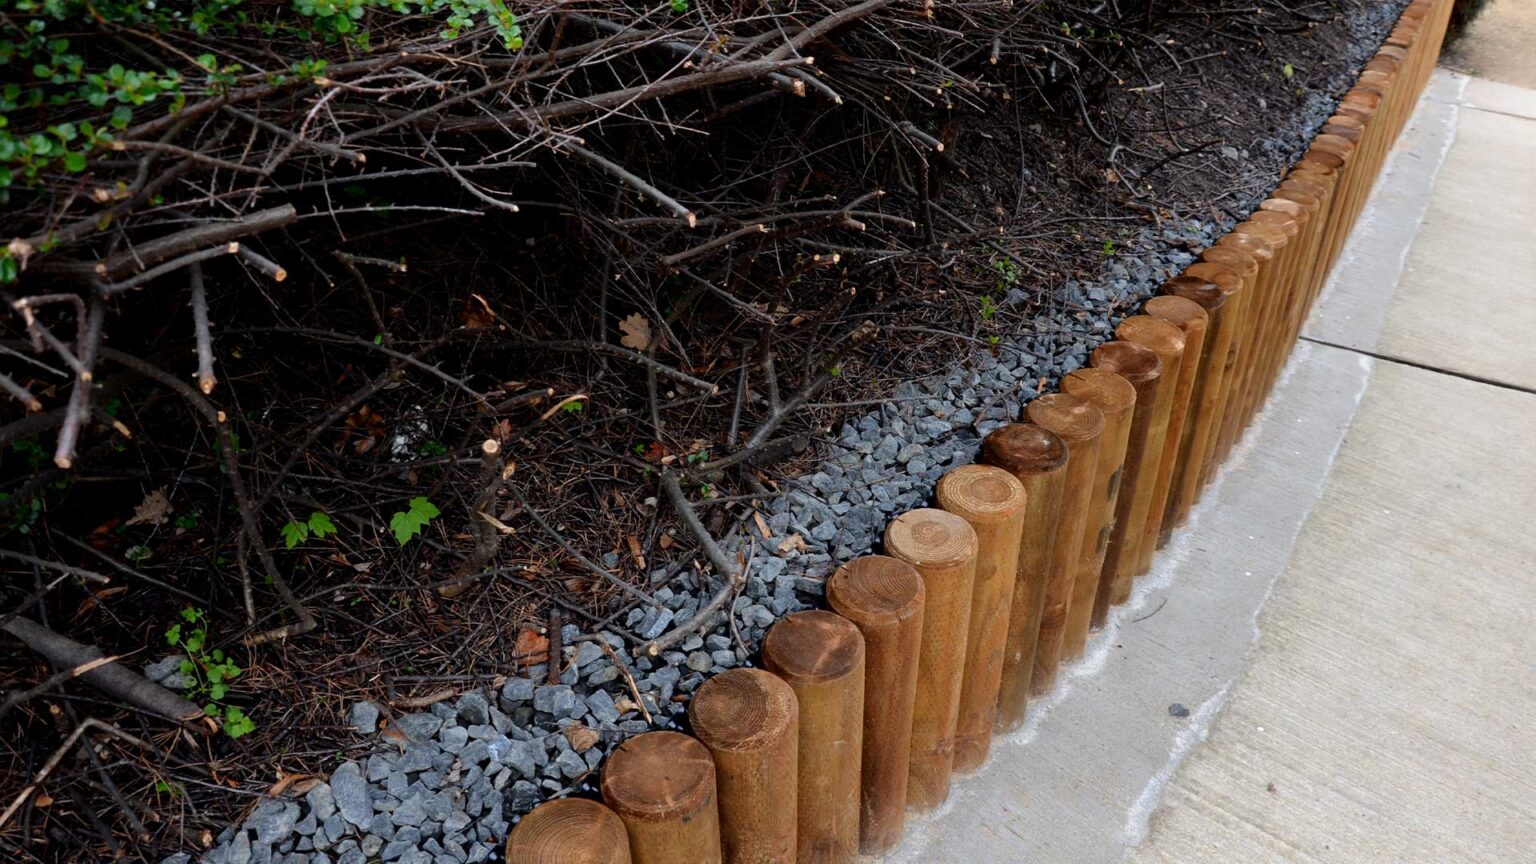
(1333, 661)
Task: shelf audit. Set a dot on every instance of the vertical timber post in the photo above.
(1081, 426)
(993, 502)
(883, 597)
(662, 784)
(942, 547)
(750, 721)
(1038, 458)
(1115, 397)
(1141, 366)
(821, 656)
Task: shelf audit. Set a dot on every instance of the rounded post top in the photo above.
(813, 647)
(742, 709)
(1155, 333)
(1179, 311)
(1109, 391)
(1203, 292)
(982, 494)
(658, 776)
(1024, 448)
(875, 589)
(1072, 417)
(1132, 361)
(569, 831)
(928, 537)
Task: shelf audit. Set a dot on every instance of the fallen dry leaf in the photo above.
(634, 551)
(582, 738)
(762, 526)
(792, 543)
(152, 510)
(637, 332)
(532, 647)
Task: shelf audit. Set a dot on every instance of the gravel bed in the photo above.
(445, 786)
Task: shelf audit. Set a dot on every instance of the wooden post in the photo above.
(1191, 319)
(750, 721)
(992, 501)
(942, 547)
(1167, 341)
(1115, 398)
(1205, 402)
(1038, 458)
(1229, 318)
(1140, 366)
(1081, 426)
(662, 784)
(569, 831)
(821, 656)
(883, 597)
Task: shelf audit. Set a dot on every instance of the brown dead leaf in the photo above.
(582, 738)
(664, 541)
(792, 543)
(294, 784)
(637, 332)
(152, 510)
(634, 551)
(762, 525)
(43, 799)
(532, 647)
(477, 314)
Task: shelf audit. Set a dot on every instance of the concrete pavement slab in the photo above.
(1383, 715)
(1467, 300)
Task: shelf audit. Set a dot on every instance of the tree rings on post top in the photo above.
(1132, 361)
(1072, 417)
(1111, 392)
(982, 494)
(1024, 448)
(1155, 333)
(1179, 311)
(569, 831)
(931, 538)
(813, 647)
(875, 589)
(658, 776)
(742, 710)
(1207, 294)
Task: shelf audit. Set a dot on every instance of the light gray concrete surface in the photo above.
(1467, 302)
(1374, 711)
(1384, 714)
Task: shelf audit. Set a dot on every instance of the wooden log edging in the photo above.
(1100, 478)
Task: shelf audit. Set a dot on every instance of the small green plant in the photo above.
(207, 673)
(296, 532)
(994, 341)
(835, 370)
(679, 6)
(138, 554)
(1007, 273)
(1109, 248)
(574, 407)
(1288, 70)
(988, 307)
(408, 523)
(433, 449)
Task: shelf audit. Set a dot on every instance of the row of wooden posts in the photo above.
(861, 714)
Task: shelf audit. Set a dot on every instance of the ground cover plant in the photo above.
(382, 335)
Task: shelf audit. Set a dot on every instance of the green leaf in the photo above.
(190, 615)
(74, 162)
(185, 667)
(408, 523)
(236, 723)
(321, 525)
(1288, 70)
(217, 691)
(294, 533)
(679, 6)
(173, 634)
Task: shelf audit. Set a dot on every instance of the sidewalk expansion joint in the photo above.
(1403, 361)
